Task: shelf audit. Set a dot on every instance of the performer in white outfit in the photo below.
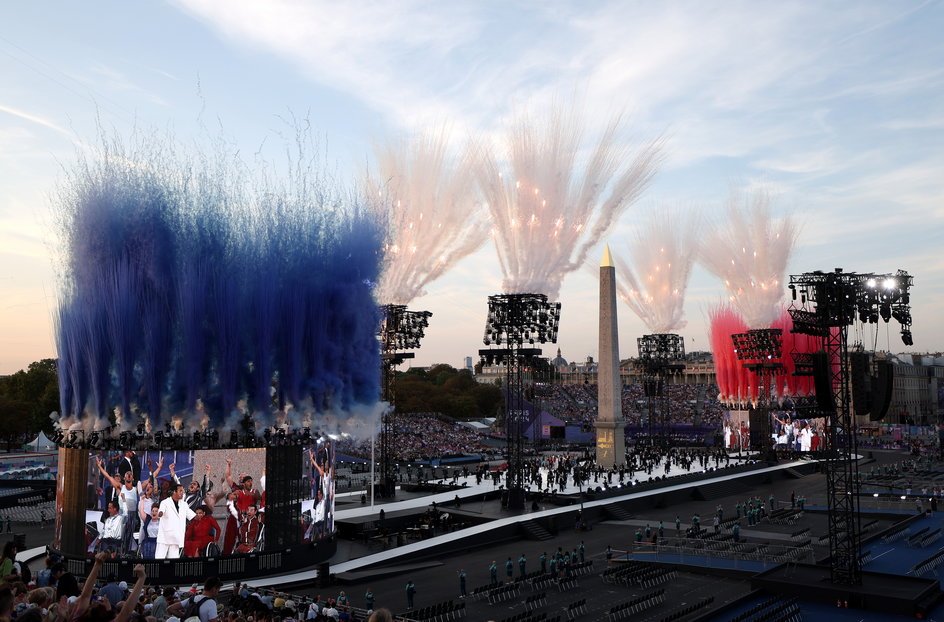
(174, 514)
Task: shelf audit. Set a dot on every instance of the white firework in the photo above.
(749, 253)
(546, 212)
(427, 197)
(662, 253)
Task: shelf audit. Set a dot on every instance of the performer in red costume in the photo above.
(201, 531)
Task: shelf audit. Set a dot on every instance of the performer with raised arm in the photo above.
(246, 495)
(196, 493)
(128, 494)
(174, 514)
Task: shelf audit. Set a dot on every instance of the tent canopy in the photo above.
(42, 443)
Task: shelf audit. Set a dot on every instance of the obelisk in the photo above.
(611, 441)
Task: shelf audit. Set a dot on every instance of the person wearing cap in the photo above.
(246, 495)
(171, 534)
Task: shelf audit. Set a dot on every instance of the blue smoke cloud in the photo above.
(190, 298)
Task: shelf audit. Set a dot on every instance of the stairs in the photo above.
(717, 490)
(618, 512)
(534, 531)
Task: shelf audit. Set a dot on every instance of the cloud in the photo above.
(38, 120)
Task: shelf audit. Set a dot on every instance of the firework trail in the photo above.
(432, 212)
(736, 385)
(193, 296)
(749, 253)
(662, 254)
(733, 380)
(547, 212)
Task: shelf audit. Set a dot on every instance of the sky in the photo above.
(837, 108)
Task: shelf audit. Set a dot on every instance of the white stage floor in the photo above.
(472, 489)
(403, 553)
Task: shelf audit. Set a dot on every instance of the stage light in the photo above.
(875, 494)
(870, 283)
(890, 283)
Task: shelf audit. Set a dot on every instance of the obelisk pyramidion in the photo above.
(611, 441)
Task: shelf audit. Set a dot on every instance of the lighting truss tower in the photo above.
(660, 356)
(400, 330)
(516, 322)
(830, 302)
(760, 350)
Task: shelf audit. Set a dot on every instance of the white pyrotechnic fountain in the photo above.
(662, 253)
(427, 197)
(749, 253)
(552, 197)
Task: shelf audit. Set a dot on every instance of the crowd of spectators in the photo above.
(687, 403)
(422, 436)
(55, 595)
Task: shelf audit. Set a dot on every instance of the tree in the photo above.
(38, 387)
(446, 390)
(15, 418)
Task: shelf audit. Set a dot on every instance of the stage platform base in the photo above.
(879, 592)
(303, 559)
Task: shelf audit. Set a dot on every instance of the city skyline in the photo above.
(837, 111)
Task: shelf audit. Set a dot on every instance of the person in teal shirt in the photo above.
(510, 569)
(522, 562)
(493, 573)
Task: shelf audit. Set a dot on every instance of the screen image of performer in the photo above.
(130, 463)
(127, 496)
(171, 534)
(111, 538)
(196, 492)
(249, 531)
(150, 525)
(246, 495)
(201, 532)
(232, 524)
